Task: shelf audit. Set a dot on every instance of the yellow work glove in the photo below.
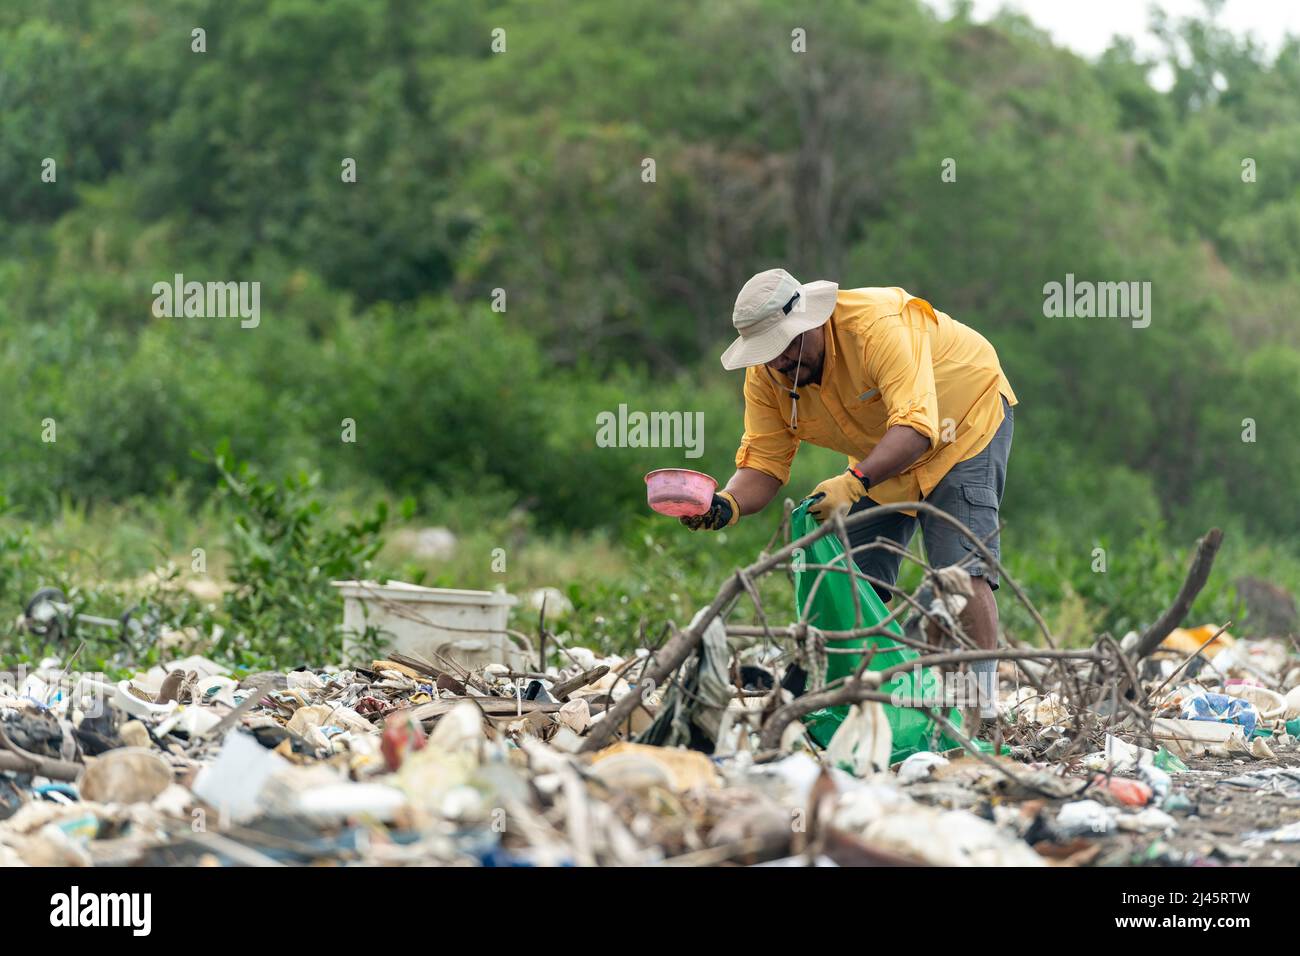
(840, 492)
(723, 512)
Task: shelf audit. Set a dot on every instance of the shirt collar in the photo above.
(828, 338)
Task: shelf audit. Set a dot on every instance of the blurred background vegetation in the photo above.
(522, 171)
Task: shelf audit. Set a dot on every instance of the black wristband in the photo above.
(725, 514)
(866, 482)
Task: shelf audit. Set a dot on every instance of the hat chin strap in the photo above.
(794, 394)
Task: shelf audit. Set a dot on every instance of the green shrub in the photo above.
(282, 610)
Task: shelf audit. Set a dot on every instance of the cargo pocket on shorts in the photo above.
(980, 514)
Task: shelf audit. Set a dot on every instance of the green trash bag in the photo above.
(832, 610)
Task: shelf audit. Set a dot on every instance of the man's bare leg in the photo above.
(980, 618)
(980, 622)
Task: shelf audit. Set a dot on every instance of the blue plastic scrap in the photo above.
(1223, 709)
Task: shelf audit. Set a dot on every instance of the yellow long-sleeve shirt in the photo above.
(891, 359)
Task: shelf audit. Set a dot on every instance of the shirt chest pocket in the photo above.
(868, 411)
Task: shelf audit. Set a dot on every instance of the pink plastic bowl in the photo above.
(679, 492)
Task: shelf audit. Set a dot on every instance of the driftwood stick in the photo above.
(15, 758)
(1197, 575)
(566, 687)
(850, 692)
(1188, 659)
(984, 654)
(675, 652)
(842, 532)
(44, 766)
(672, 656)
(996, 764)
(53, 769)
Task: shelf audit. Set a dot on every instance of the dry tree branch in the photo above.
(1197, 574)
(675, 652)
(865, 686)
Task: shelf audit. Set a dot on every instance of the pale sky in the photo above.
(1086, 26)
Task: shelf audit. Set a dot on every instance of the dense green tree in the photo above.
(817, 138)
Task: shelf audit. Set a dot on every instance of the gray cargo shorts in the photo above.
(971, 492)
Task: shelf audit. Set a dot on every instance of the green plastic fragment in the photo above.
(1169, 762)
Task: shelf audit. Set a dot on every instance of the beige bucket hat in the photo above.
(772, 308)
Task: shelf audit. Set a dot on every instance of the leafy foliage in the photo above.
(282, 608)
(524, 173)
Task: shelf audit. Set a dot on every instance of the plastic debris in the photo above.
(398, 761)
(1269, 704)
(402, 736)
(1222, 708)
(1083, 817)
(127, 775)
(919, 766)
(863, 742)
(1118, 756)
(948, 838)
(1168, 762)
(1292, 704)
(1287, 834)
(1197, 738)
(1147, 819)
(635, 766)
(1186, 641)
(1284, 780)
(1133, 793)
(1157, 779)
(233, 782)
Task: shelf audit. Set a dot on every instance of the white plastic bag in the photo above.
(864, 741)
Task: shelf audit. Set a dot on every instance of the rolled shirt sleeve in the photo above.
(768, 444)
(897, 358)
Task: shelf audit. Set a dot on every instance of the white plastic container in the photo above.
(1270, 704)
(436, 624)
(1192, 738)
(1293, 703)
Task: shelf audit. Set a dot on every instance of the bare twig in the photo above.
(1197, 575)
(1188, 659)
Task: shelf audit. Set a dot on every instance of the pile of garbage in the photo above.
(399, 762)
(1248, 692)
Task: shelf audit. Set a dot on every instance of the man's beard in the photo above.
(808, 375)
